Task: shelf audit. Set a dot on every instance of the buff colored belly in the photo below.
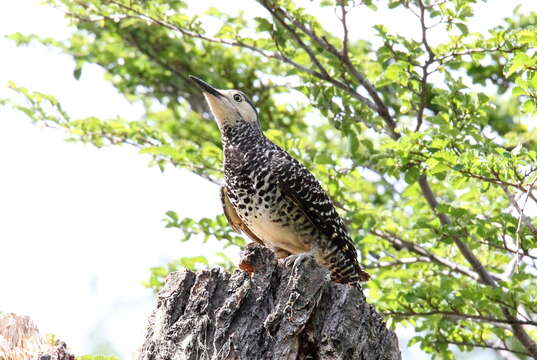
(276, 236)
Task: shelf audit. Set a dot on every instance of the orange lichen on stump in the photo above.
(245, 265)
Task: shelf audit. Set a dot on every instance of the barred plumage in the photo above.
(273, 198)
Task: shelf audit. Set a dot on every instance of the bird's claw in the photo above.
(296, 260)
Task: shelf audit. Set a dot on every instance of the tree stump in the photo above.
(20, 340)
(271, 311)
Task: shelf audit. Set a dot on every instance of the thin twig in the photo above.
(425, 67)
(521, 215)
(397, 262)
(343, 20)
(484, 345)
(459, 315)
(417, 249)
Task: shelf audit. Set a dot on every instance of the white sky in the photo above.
(80, 226)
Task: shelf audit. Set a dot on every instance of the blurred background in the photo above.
(75, 245)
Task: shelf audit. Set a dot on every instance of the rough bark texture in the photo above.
(20, 340)
(277, 311)
(57, 352)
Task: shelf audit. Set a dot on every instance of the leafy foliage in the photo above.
(97, 357)
(425, 147)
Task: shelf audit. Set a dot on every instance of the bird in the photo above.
(271, 197)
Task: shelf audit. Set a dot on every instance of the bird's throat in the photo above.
(241, 135)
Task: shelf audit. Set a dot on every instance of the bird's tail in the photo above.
(343, 264)
(363, 275)
(356, 275)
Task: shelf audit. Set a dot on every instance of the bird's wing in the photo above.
(300, 187)
(232, 217)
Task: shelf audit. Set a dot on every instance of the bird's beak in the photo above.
(221, 109)
(206, 87)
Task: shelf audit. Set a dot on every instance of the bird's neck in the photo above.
(242, 135)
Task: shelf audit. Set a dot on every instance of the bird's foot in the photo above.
(296, 260)
(281, 253)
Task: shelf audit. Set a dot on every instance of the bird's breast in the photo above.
(278, 223)
(255, 194)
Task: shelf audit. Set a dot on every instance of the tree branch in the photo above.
(522, 218)
(458, 315)
(485, 276)
(226, 42)
(398, 262)
(268, 54)
(424, 67)
(299, 41)
(498, 181)
(415, 248)
(444, 220)
(379, 105)
(485, 346)
(343, 20)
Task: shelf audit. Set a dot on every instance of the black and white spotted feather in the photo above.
(278, 200)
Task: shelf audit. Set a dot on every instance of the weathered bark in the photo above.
(20, 340)
(57, 352)
(278, 311)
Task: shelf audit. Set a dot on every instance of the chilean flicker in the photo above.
(271, 197)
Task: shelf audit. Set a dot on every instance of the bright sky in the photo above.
(80, 226)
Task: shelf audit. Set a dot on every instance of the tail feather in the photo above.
(347, 270)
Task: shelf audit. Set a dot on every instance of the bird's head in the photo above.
(229, 107)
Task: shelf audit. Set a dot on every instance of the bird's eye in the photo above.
(237, 98)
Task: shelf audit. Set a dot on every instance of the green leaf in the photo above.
(412, 175)
(529, 106)
(77, 73)
(263, 24)
(395, 73)
(462, 27)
